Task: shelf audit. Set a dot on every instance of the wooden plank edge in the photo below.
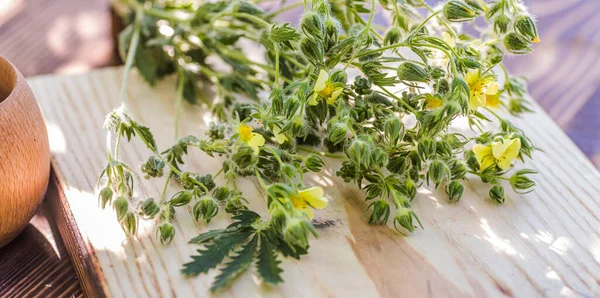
(81, 253)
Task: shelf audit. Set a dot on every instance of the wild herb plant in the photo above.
(423, 66)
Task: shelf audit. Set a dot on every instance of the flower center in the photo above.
(327, 91)
(245, 132)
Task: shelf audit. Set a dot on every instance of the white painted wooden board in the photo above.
(546, 243)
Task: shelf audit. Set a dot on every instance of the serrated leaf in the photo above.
(144, 133)
(208, 236)
(238, 264)
(283, 33)
(243, 218)
(267, 264)
(213, 253)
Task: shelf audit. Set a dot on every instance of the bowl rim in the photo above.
(5, 64)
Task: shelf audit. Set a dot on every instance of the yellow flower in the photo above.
(281, 138)
(325, 89)
(252, 139)
(309, 198)
(433, 102)
(493, 101)
(502, 152)
(480, 87)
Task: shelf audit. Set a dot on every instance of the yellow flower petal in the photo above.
(492, 101)
(484, 156)
(334, 95)
(256, 141)
(309, 212)
(320, 83)
(472, 77)
(310, 193)
(476, 101)
(492, 88)
(281, 138)
(313, 99)
(511, 152)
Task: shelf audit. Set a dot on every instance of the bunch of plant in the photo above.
(388, 128)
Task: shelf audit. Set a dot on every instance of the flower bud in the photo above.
(392, 36)
(360, 151)
(525, 26)
(458, 170)
(380, 212)
(296, 232)
(181, 198)
(332, 32)
(276, 98)
(471, 160)
(454, 190)
(394, 130)
(403, 219)
(497, 194)
(410, 188)
(129, 223)
(291, 105)
(426, 148)
(312, 25)
(457, 11)
(379, 158)
(153, 167)
(244, 157)
(205, 208)
(412, 72)
(470, 63)
(121, 206)
(461, 93)
(521, 183)
(339, 76)
(437, 73)
(474, 4)
(516, 44)
(337, 132)
(288, 170)
(313, 51)
(166, 233)
(221, 193)
(149, 208)
(436, 172)
(235, 204)
(314, 163)
(501, 24)
(105, 196)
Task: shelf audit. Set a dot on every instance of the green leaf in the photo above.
(244, 218)
(208, 236)
(214, 253)
(267, 264)
(238, 264)
(144, 133)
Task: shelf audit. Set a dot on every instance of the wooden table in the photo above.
(35, 34)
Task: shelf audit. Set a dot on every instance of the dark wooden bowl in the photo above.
(24, 153)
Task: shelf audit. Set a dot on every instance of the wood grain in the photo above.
(24, 153)
(546, 243)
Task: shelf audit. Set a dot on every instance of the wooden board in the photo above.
(546, 243)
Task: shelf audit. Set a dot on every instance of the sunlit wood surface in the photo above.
(70, 36)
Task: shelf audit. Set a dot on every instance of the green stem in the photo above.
(392, 46)
(117, 143)
(440, 18)
(178, 102)
(164, 191)
(283, 9)
(276, 65)
(321, 153)
(135, 40)
(408, 107)
(252, 18)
